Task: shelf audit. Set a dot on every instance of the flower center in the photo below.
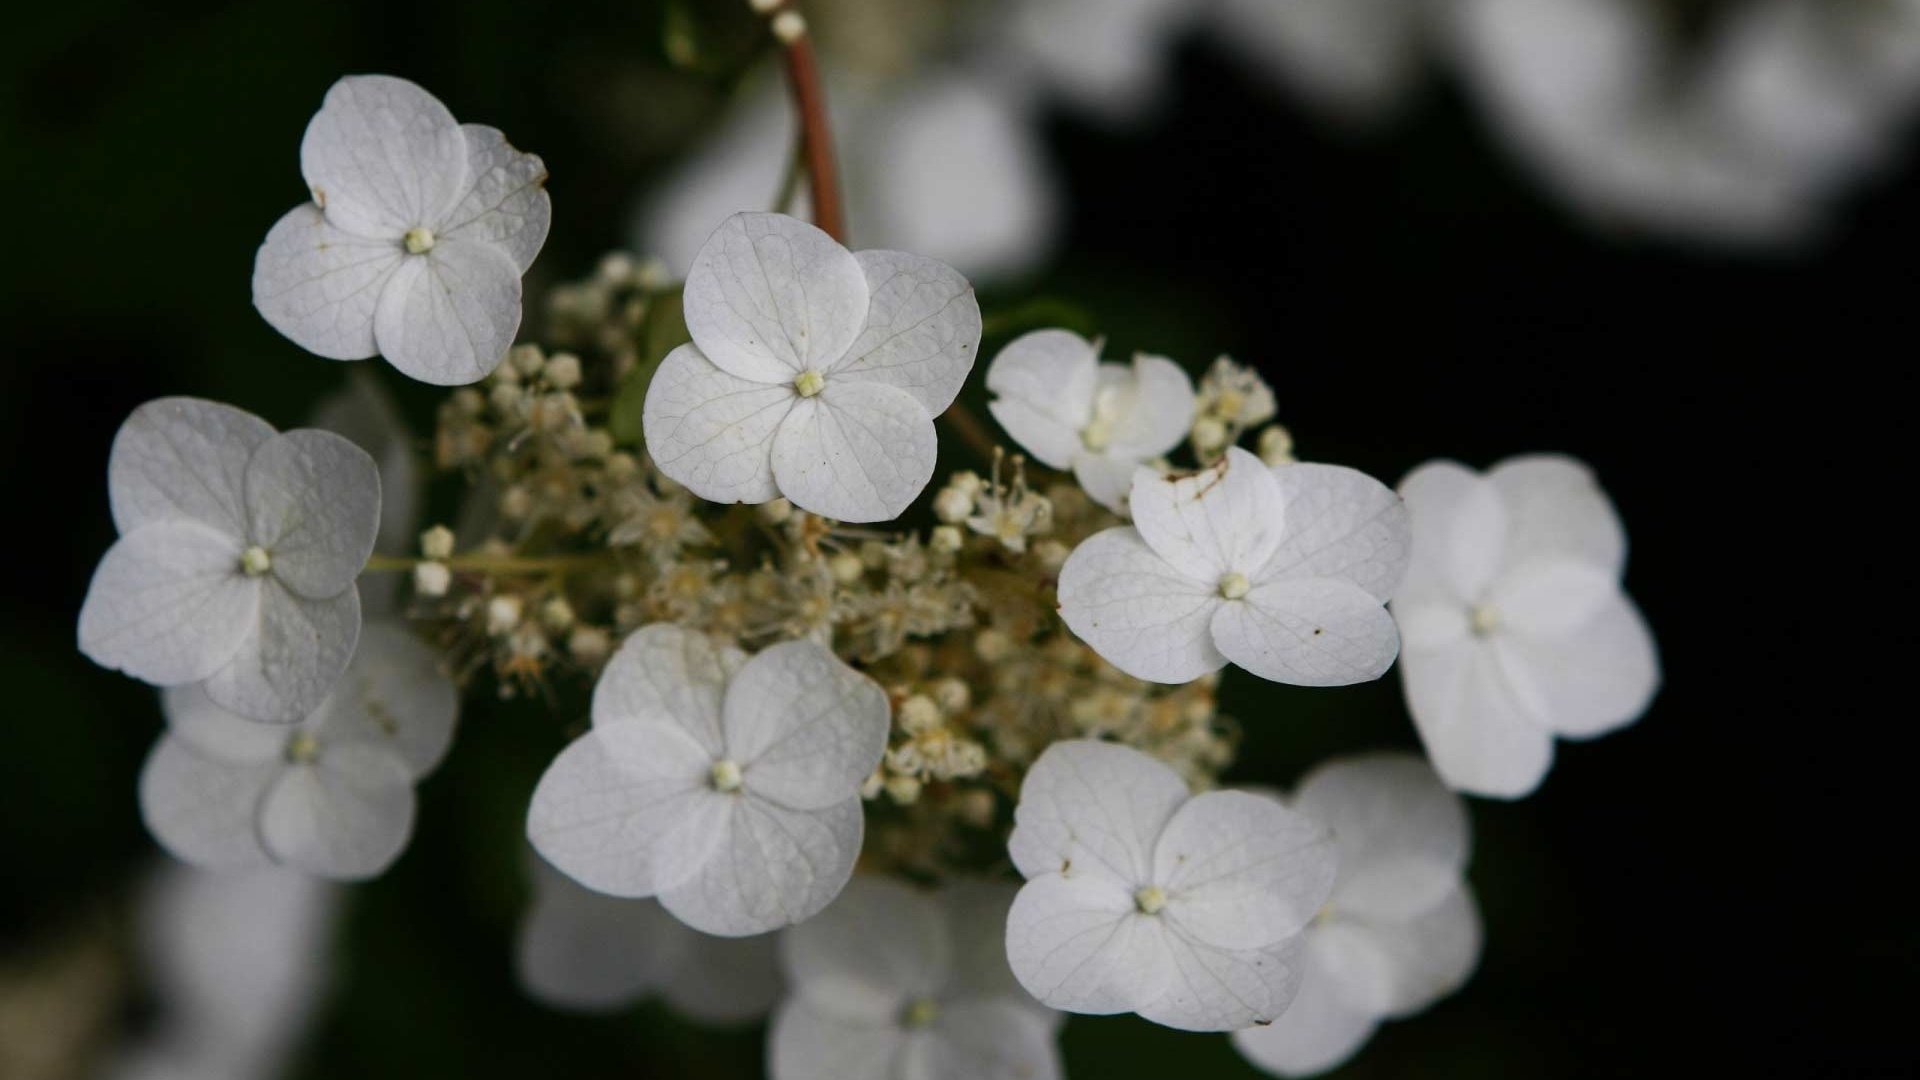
(419, 240)
(809, 382)
(920, 1012)
(1150, 899)
(303, 748)
(255, 561)
(1097, 435)
(1482, 619)
(1233, 586)
(726, 776)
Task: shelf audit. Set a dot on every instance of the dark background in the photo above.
(1723, 886)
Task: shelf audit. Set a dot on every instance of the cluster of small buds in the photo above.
(932, 743)
(602, 317)
(1232, 399)
(1009, 513)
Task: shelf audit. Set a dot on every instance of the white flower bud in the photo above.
(516, 503)
(967, 481)
(503, 614)
(557, 614)
(789, 26)
(615, 268)
(589, 645)
(437, 542)
(776, 512)
(432, 579)
(468, 402)
(622, 466)
(975, 807)
(873, 784)
(764, 7)
(992, 645)
(506, 397)
(918, 714)
(904, 790)
(1276, 445)
(653, 274)
(526, 359)
(1209, 434)
(946, 539)
(1052, 555)
(953, 505)
(563, 371)
(846, 567)
(952, 695)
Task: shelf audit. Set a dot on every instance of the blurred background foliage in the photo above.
(1714, 884)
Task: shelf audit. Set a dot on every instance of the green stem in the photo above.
(489, 564)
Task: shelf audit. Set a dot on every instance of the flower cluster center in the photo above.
(920, 1012)
(725, 775)
(1234, 585)
(255, 561)
(1097, 435)
(303, 748)
(419, 240)
(809, 382)
(1483, 619)
(1150, 899)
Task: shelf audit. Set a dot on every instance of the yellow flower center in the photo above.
(255, 561)
(1233, 586)
(726, 776)
(1150, 899)
(1482, 619)
(809, 382)
(303, 748)
(419, 240)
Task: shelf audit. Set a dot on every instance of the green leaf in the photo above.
(663, 330)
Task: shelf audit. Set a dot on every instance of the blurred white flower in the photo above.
(1099, 421)
(1282, 571)
(1355, 59)
(365, 413)
(1105, 58)
(1514, 626)
(585, 951)
(413, 246)
(331, 796)
(1401, 929)
(1143, 898)
(893, 982)
(237, 556)
(814, 374)
(728, 787)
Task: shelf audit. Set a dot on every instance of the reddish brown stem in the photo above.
(816, 140)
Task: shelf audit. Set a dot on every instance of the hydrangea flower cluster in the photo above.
(801, 721)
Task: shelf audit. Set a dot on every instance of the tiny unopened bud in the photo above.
(468, 402)
(967, 481)
(526, 359)
(1276, 445)
(946, 539)
(432, 579)
(904, 790)
(952, 695)
(589, 645)
(515, 503)
(975, 807)
(615, 267)
(789, 27)
(503, 614)
(875, 782)
(954, 504)
(1209, 434)
(437, 542)
(776, 512)
(506, 397)
(992, 645)
(653, 274)
(622, 466)
(846, 567)
(919, 714)
(1052, 555)
(563, 371)
(764, 7)
(557, 614)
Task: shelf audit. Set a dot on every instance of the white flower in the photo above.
(813, 373)
(585, 951)
(728, 787)
(415, 240)
(893, 983)
(1107, 58)
(1356, 59)
(366, 413)
(1514, 623)
(237, 556)
(331, 796)
(1142, 898)
(1281, 571)
(1401, 929)
(1101, 421)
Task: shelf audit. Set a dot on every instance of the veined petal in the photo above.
(805, 728)
(1341, 523)
(1093, 808)
(769, 297)
(809, 1044)
(922, 332)
(773, 867)
(1225, 519)
(976, 919)
(1589, 680)
(1555, 509)
(1051, 441)
(859, 451)
(168, 604)
(346, 816)
(712, 432)
(448, 317)
(218, 735)
(395, 694)
(319, 284)
(1044, 382)
(1317, 1032)
(1308, 632)
(313, 502)
(666, 673)
(1401, 835)
(1241, 871)
(1106, 479)
(365, 413)
(880, 945)
(182, 457)
(586, 951)
(1078, 944)
(1459, 525)
(1151, 405)
(976, 1039)
(383, 156)
(1475, 732)
(1551, 597)
(292, 656)
(505, 202)
(204, 811)
(1137, 611)
(1428, 956)
(1214, 989)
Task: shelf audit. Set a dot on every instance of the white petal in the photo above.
(1430, 626)
(1355, 58)
(1341, 523)
(183, 458)
(582, 950)
(505, 202)
(859, 451)
(347, 816)
(396, 693)
(1431, 955)
(626, 809)
(1151, 404)
(168, 604)
(1210, 989)
(876, 948)
(1241, 871)
(1226, 519)
(383, 156)
(203, 811)
(1589, 680)
(1476, 734)
(976, 915)
(769, 297)
(1550, 597)
(449, 316)
(319, 284)
(1093, 808)
(773, 867)
(1459, 528)
(313, 501)
(805, 728)
(1044, 380)
(1555, 508)
(990, 1040)
(922, 332)
(366, 414)
(725, 981)
(1402, 837)
(666, 673)
(1106, 479)
(1077, 943)
(1308, 632)
(712, 432)
(1138, 612)
(218, 735)
(1317, 1032)
(292, 658)
(807, 1044)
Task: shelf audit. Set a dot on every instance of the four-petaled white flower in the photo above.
(1143, 898)
(727, 787)
(331, 796)
(413, 246)
(1515, 625)
(589, 952)
(893, 983)
(814, 373)
(1401, 929)
(1099, 421)
(237, 556)
(1282, 571)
